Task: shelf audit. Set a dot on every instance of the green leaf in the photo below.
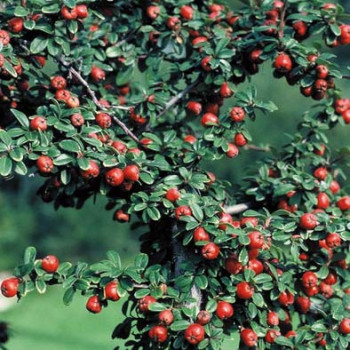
(284, 341)
(9, 68)
(70, 146)
(68, 296)
(40, 286)
(29, 255)
(5, 166)
(114, 257)
(197, 212)
(38, 45)
(21, 117)
(157, 307)
(141, 261)
(180, 325)
(201, 282)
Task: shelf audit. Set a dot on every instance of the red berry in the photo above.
(249, 221)
(45, 164)
(345, 34)
(283, 63)
(145, 302)
(301, 29)
(173, 194)
(111, 291)
(187, 12)
(38, 123)
(4, 37)
(205, 64)
(203, 317)
(341, 105)
(183, 210)
(15, 25)
(173, 22)
(333, 240)
(94, 304)
(245, 290)
(233, 266)
(73, 102)
(119, 146)
(68, 13)
(190, 139)
(290, 334)
(210, 251)
(232, 151)
(321, 173)
(131, 172)
(309, 279)
(331, 278)
(322, 71)
(114, 177)
(92, 171)
(50, 264)
(249, 337)
(286, 298)
(326, 290)
(271, 335)
(97, 74)
(237, 114)
(63, 95)
(344, 203)
(9, 287)
(346, 116)
(308, 221)
(194, 333)
(158, 334)
(303, 304)
(200, 234)
(344, 326)
(240, 140)
(334, 187)
(272, 318)
(82, 11)
(77, 120)
(104, 120)
(329, 6)
(166, 317)
(194, 107)
(153, 12)
(256, 239)
(225, 90)
(224, 310)
(323, 201)
(210, 119)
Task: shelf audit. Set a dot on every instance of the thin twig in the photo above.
(237, 208)
(92, 94)
(283, 20)
(257, 148)
(127, 38)
(177, 98)
(346, 76)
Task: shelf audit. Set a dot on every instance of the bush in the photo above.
(128, 101)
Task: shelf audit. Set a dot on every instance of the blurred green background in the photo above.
(43, 322)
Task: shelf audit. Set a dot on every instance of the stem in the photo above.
(257, 148)
(92, 94)
(237, 208)
(346, 77)
(177, 98)
(283, 20)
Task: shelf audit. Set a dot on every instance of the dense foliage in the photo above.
(126, 100)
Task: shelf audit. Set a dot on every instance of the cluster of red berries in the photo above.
(342, 107)
(77, 12)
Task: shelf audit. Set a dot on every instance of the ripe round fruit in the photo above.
(345, 34)
(272, 318)
(62, 95)
(4, 37)
(153, 12)
(104, 120)
(237, 114)
(331, 278)
(322, 71)
(249, 337)
(183, 210)
(210, 251)
(321, 173)
(121, 216)
(249, 221)
(209, 119)
(200, 234)
(225, 90)
(119, 146)
(77, 120)
(341, 105)
(58, 82)
(158, 334)
(333, 240)
(286, 298)
(245, 290)
(173, 194)
(309, 279)
(73, 102)
(303, 304)
(166, 317)
(224, 310)
(145, 302)
(38, 123)
(323, 201)
(346, 116)
(94, 304)
(194, 333)
(9, 287)
(271, 335)
(50, 264)
(82, 11)
(203, 317)
(225, 218)
(187, 12)
(45, 164)
(190, 139)
(97, 74)
(205, 64)
(240, 140)
(334, 187)
(93, 171)
(344, 203)
(232, 151)
(194, 107)
(15, 25)
(111, 291)
(283, 63)
(255, 265)
(114, 177)
(308, 221)
(69, 13)
(132, 172)
(256, 239)
(344, 326)
(233, 266)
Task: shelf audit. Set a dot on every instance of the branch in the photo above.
(237, 208)
(92, 94)
(177, 98)
(257, 148)
(346, 77)
(283, 20)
